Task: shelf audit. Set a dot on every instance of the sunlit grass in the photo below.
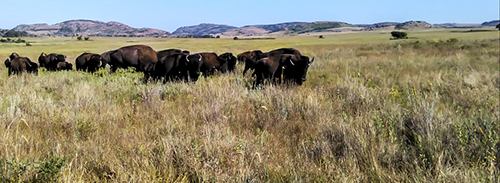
(371, 110)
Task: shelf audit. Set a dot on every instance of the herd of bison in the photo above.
(286, 64)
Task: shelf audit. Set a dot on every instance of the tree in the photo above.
(87, 38)
(79, 38)
(13, 33)
(321, 36)
(235, 38)
(399, 35)
(498, 26)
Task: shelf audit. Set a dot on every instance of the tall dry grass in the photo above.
(402, 111)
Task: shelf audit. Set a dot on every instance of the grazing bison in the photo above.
(269, 68)
(230, 61)
(89, 62)
(137, 56)
(176, 66)
(166, 53)
(252, 60)
(280, 51)
(210, 62)
(50, 61)
(242, 56)
(64, 66)
(21, 64)
(105, 58)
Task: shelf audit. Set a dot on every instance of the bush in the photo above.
(28, 44)
(321, 36)
(87, 38)
(235, 38)
(399, 35)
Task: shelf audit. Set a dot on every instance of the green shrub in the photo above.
(399, 35)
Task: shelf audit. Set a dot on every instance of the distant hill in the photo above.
(277, 27)
(246, 31)
(456, 25)
(379, 26)
(202, 29)
(321, 26)
(492, 23)
(3, 31)
(414, 25)
(90, 28)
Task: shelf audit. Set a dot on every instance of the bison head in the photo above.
(13, 56)
(296, 69)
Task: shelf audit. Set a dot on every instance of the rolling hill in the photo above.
(90, 28)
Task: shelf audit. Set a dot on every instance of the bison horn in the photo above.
(311, 61)
(291, 62)
(200, 57)
(187, 58)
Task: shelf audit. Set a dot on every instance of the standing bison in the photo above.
(89, 62)
(137, 56)
(251, 59)
(230, 61)
(176, 66)
(64, 66)
(210, 63)
(50, 61)
(21, 64)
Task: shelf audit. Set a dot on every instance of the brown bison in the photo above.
(137, 56)
(13, 55)
(89, 62)
(251, 60)
(21, 64)
(50, 61)
(105, 58)
(269, 68)
(210, 63)
(166, 53)
(176, 66)
(64, 66)
(230, 61)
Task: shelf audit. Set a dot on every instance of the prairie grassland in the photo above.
(372, 110)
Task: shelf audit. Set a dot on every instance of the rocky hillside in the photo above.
(202, 29)
(277, 27)
(414, 25)
(323, 26)
(90, 28)
(491, 23)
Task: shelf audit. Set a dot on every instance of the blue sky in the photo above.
(169, 15)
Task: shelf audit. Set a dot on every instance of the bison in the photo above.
(166, 53)
(89, 62)
(64, 66)
(176, 66)
(230, 61)
(252, 60)
(137, 56)
(105, 58)
(50, 61)
(269, 68)
(210, 62)
(297, 72)
(21, 64)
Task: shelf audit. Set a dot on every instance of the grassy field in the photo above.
(372, 110)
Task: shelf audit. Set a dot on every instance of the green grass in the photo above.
(371, 110)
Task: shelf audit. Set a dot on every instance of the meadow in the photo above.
(372, 110)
